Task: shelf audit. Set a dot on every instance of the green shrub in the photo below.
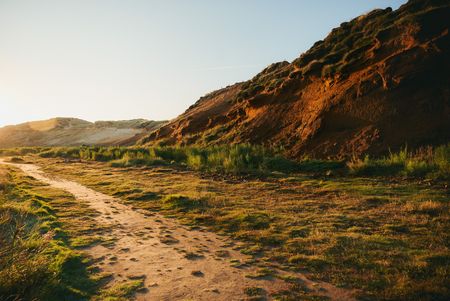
(429, 163)
(23, 264)
(442, 161)
(36, 262)
(195, 159)
(417, 168)
(368, 166)
(246, 158)
(239, 158)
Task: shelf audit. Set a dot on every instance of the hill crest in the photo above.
(377, 82)
(66, 131)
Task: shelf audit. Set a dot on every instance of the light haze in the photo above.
(108, 60)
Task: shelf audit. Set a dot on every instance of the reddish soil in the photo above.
(377, 82)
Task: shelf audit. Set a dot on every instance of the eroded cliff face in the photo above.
(377, 82)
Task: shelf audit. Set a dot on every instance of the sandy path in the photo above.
(150, 247)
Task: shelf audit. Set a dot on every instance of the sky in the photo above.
(124, 59)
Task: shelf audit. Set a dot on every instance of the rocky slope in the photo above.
(376, 82)
(73, 131)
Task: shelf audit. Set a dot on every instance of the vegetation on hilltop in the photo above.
(376, 82)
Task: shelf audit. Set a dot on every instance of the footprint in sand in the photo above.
(217, 276)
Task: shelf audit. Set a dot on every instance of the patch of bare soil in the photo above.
(175, 262)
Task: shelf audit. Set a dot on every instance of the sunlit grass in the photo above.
(41, 229)
(380, 235)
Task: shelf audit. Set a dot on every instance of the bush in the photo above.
(425, 162)
(240, 158)
(441, 159)
(36, 260)
(23, 263)
(368, 166)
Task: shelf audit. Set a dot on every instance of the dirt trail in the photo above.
(150, 247)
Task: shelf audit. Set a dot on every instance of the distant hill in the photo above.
(377, 82)
(73, 131)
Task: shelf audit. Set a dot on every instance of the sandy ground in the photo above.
(150, 247)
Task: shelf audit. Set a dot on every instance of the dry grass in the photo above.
(41, 231)
(387, 238)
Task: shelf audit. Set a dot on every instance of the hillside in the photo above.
(377, 82)
(73, 131)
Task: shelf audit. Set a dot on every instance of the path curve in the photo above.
(154, 248)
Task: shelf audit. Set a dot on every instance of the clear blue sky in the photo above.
(111, 59)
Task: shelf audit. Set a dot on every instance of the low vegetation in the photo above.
(42, 233)
(426, 162)
(250, 159)
(385, 236)
(36, 256)
(235, 159)
(373, 224)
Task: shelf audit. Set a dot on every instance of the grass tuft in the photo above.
(424, 162)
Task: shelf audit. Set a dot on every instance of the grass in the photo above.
(43, 232)
(120, 291)
(384, 232)
(262, 273)
(182, 203)
(37, 259)
(424, 162)
(386, 236)
(234, 159)
(255, 293)
(245, 159)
